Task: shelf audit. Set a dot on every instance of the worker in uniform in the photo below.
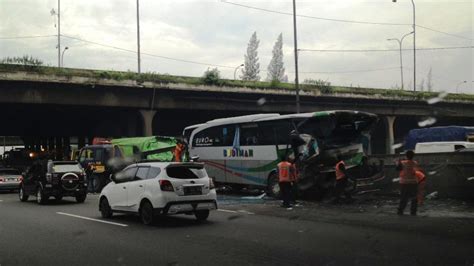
(179, 151)
(341, 181)
(408, 183)
(284, 179)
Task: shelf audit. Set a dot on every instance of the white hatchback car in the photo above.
(159, 188)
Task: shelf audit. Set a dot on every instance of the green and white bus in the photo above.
(244, 150)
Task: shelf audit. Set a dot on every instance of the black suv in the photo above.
(54, 179)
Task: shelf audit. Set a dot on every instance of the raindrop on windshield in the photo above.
(261, 101)
(427, 122)
(438, 98)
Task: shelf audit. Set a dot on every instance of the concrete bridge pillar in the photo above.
(147, 116)
(390, 137)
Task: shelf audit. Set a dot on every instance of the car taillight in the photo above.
(166, 185)
(211, 184)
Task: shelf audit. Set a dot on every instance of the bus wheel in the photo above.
(273, 187)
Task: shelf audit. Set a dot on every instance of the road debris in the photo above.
(427, 122)
(396, 146)
(432, 195)
(438, 98)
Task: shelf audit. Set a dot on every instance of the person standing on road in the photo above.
(341, 181)
(408, 183)
(294, 183)
(178, 151)
(284, 178)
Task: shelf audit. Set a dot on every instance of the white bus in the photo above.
(245, 150)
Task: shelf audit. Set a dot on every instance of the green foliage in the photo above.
(26, 60)
(211, 77)
(308, 85)
(322, 85)
(274, 83)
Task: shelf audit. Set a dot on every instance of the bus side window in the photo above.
(208, 137)
(275, 132)
(249, 134)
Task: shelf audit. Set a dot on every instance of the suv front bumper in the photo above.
(177, 207)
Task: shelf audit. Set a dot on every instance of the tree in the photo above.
(211, 76)
(429, 83)
(252, 66)
(276, 69)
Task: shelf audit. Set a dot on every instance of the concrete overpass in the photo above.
(34, 104)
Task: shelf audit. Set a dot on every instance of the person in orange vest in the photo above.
(408, 183)
(421, 180)
(178, 151)
(284, 177)
(341, 181)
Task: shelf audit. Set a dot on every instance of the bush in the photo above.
(211, 77)
(322, 85)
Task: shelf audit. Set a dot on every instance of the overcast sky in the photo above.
(217, 33)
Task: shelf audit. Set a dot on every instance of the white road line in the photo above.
(91, 219)
(223, 210)
(246, 212)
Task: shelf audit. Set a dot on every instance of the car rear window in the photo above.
(9, 172)
(61, 168)
(186, 172)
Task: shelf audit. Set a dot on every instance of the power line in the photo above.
(344, 20)
(313, 17)
(26, 37)
(348, 71)
(383, 50)
(442, 32)
(148, 54)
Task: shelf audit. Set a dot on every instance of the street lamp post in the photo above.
(62, 56)
(414, 44)
(138, 37)
(295, 39)
(400, 42)
(459, 84)
(235, 71)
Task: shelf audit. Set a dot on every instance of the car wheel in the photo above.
(146, 213)
(202, 215)
(105, 209)
(41, 198)
(273, 186)
(58, 198)
(81, 198)
(21, 194)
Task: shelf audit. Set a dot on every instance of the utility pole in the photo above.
(400, 43)
(414, 47)
(59, 33)
(296, 59)
(138, 35)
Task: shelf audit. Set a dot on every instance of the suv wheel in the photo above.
(146, 213)
(202, 215)
(81, 198)
(21, 194)
(41, 198)
(105, 209)
(273, 186)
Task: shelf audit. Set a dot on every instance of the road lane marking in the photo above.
(91, 219)
(224, 210)
(239, 211)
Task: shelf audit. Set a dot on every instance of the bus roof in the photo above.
(240, 119)
(193, 126)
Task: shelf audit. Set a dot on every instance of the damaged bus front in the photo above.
(323, 139)
(244, 151)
